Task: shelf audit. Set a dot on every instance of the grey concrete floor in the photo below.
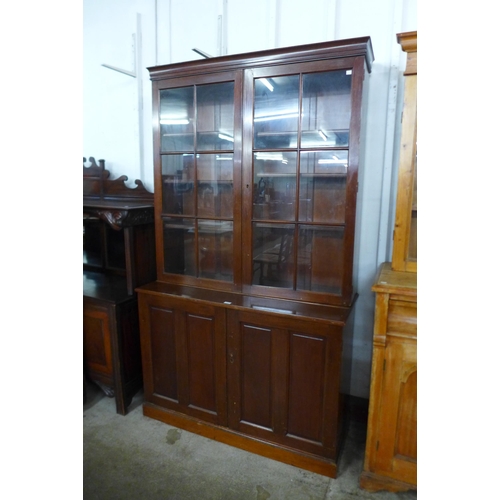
(135, 457)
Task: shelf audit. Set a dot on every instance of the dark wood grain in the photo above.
(119, 255)
(242, 342)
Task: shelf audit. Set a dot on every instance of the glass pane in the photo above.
(322, 186)
(274, 185)
(276, 112)
(273, 255)
(215, 185)
(326, 109)
(215, 116)
(177, 175)
(176, 119)
(320, 259)
(178, 246)
(215, 247)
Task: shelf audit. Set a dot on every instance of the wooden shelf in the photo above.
(106, 287)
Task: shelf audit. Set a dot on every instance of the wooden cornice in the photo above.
(361, 46)
(408, 42)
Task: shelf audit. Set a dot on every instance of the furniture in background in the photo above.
(118, 255)
(256, 177)
(391, 447)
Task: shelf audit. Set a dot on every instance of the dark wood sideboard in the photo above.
(118, 255)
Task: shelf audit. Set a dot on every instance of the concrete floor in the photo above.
(135, 457)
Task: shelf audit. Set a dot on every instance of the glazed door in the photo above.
(300, 179)
(197, 140)
(183, 348)
(283, 380)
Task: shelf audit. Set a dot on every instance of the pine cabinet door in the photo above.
(397, 443)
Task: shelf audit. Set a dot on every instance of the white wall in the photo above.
(117, 129)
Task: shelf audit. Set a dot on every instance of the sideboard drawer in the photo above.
(402, 318)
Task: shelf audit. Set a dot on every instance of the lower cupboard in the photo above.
(391, 445)
(262, 378)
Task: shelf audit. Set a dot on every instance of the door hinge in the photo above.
(383, 369)
(376, 447)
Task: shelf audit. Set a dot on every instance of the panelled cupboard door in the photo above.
(183, 348)
(283, 380)
(396, 455)
(97, 340)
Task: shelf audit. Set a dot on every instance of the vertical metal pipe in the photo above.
(140, 108)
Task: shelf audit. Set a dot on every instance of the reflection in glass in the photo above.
(215, 185)
(273, 255)
(177, 175)
(320, 166)
(274, 185)
(215, 116)
(326, 109)
(179, 246)
(323, 186)
(197, 180)
(176, 119)
(276, 112)
(320, 258)
(215, 249)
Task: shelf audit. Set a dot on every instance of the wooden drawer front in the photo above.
(97, 340)
(402, 318)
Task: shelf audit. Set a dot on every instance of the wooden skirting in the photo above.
(376, 482)
(224, 435)
(356, 409)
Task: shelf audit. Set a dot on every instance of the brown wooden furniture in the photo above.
(404, 255)
(118, 255)
(391, 447)
(256, 164)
